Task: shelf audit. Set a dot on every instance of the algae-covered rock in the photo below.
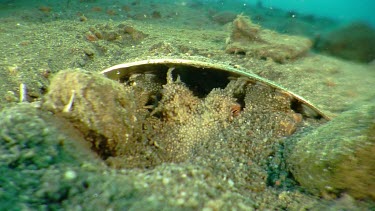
(103, 110)
(337, 157)
(250, 39)
(42, 159)
(32, 139)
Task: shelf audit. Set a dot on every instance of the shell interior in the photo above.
(202, 77)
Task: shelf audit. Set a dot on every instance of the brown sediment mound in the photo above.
(251, 40)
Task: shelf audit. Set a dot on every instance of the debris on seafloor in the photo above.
(45, 9)
(121, 33)
(250, 39)
(338, 157)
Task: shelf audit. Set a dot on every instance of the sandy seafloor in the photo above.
(36, 43)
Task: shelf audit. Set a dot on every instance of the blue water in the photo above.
(341, 10)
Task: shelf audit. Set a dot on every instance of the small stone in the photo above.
(70, 175)
(89, 52)
(10, 96)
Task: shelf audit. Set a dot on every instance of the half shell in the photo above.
(205, 76)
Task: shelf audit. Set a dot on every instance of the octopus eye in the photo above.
(235, 109)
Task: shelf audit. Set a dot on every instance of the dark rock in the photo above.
(224, 17)
(352, 42)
